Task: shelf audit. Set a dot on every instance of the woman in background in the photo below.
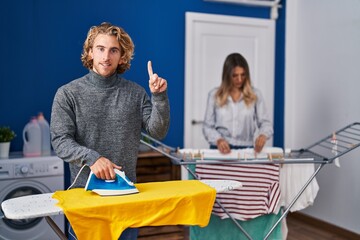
(236, 110)
(236, 118)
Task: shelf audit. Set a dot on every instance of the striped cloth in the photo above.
(259, 195)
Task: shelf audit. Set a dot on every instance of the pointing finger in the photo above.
(150, 71)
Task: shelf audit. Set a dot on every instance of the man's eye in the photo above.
(114, 51)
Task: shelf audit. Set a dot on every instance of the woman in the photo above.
(236, 118)
(236, 111)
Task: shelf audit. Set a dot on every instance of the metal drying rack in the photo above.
(321, 153)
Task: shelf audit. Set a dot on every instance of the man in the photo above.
(96, 120)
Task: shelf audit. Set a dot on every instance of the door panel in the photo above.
(209, 39)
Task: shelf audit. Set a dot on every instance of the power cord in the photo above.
(76, 177)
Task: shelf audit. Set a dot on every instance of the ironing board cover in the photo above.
(186, 202)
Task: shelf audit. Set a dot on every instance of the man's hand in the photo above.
(156, 83)
(103, 168)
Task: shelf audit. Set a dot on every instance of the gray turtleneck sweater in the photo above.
(95, 116)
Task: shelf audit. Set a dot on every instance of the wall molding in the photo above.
(273, 4)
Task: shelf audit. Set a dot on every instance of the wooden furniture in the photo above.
(154, 167)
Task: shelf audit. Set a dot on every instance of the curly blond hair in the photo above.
(235, 60)
(125, 42)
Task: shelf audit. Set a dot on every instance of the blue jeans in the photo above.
(127, 234)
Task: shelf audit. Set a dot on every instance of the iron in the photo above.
(121, 185)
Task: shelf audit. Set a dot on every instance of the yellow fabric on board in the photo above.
(92, 216)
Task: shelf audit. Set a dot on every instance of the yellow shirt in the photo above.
(92, 216)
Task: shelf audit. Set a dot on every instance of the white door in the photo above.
(209, 39)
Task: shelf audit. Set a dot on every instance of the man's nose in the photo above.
(106, 55)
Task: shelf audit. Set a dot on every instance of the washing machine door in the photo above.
(31, 228)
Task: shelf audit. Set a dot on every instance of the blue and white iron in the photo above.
(121, 185)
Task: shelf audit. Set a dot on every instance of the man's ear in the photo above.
(121, 61)
(90, 54)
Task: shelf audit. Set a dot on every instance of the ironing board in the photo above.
(323, 152)
(44, 205)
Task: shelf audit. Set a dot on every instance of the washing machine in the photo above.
(20, 176)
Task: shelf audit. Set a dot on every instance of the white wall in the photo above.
(322, 94)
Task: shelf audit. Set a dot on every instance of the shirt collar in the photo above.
(102, 82)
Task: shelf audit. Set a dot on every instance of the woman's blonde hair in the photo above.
(125, 42)
(234, 60)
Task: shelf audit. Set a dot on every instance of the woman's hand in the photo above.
(223, 146)
(259, 143)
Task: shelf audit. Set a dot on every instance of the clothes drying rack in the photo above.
(321, 153)
(325, 151)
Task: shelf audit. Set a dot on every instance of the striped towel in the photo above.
(259, 195)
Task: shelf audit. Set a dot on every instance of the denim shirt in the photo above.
(237, 123)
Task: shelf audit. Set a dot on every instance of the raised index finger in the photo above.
(150, 71)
